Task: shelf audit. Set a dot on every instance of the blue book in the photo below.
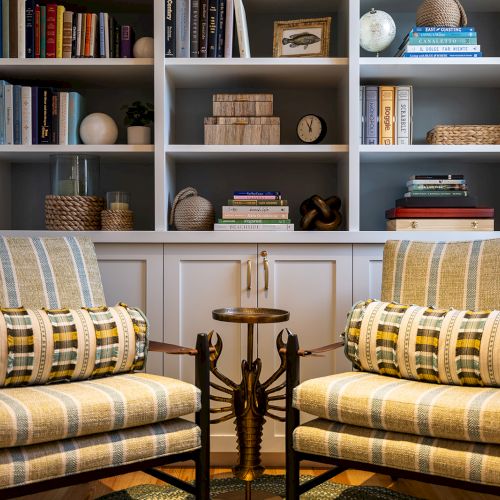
(443, 54)
(102, 43)
(3, 139)
(17, 114)
(412, 34)
(30, 28)
(257, 193)
(75, 115)
(438, 29)
(34, 115)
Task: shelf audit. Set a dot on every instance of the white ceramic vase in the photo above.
(138, 135)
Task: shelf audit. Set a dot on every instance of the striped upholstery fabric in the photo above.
(49, 272)
(473, 462)
(44, 346)
(463, 275)
(444, 346)
(378, 402)
(38, 414)
(62, 458)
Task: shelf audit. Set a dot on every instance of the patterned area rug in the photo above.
(272, 484)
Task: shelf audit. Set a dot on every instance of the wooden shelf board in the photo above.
(397, 154)
(456, 72)
(202, 153)
(80, 73)
(257, 72)
(121, 152)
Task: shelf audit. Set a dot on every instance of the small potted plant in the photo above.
(137, 118)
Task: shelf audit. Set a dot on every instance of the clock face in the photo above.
(311, 129)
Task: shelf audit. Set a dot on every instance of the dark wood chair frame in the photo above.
(293, 458)
(201, 456)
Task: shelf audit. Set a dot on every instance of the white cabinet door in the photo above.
(134, 274)
(199, 279)
(367, 271)
(313, 283)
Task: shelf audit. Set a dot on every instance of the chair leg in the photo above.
(202, 483)
(292, 476)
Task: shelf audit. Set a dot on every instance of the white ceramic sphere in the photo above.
(377, 30)
(98, 128)
(144, 47)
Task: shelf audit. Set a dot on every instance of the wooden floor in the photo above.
(93, 490)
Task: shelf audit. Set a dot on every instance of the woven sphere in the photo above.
(191, 212)
(98, 128)
(447, 13)
(144, 47)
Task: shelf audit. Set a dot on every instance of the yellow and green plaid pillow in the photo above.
(39, 346)
(444, 346)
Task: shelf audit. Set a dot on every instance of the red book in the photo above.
(51, 29)
(440, 213)
(88, 34)
(37, 30)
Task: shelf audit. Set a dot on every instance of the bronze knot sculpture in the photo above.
(320, 214)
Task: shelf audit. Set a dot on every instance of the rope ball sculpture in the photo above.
(319, 214)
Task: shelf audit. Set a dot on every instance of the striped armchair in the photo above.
(423, 401)
(111, 417)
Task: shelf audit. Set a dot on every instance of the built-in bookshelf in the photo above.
(367, 178)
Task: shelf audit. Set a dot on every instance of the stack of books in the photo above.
(386, 114)
(32, 30)
(39, 115)
(440, 42)
(439, 203)
(255, 211)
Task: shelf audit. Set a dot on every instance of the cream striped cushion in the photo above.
(49, 272)
(39, 414)
(463, 275)
(445, 346)
(46, 346)
(385, 403)
(472, 462)
(62, 458)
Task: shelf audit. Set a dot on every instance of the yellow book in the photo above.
(387, 129)
(59, 32)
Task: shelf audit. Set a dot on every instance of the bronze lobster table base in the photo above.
(250, 401)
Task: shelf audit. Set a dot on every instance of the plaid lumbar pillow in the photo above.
(39, 346)
(444, 346)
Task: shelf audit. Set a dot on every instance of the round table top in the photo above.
(250, 315)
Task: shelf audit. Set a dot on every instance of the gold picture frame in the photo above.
(312, 37)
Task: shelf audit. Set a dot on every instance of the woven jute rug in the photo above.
(272, 484)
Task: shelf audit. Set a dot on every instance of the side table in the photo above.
(250, 401)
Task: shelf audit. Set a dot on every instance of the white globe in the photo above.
(98, 128)
(144, 47)
(377, 30)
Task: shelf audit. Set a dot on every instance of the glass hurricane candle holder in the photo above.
(74, 175)
(118, 200)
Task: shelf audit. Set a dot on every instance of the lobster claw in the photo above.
(280, 344)
(217, 348)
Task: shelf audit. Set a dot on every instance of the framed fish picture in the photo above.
(302, 38)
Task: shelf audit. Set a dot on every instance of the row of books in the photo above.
(255, 211)
(39, 115)
(32, 30)
(386, 114)
(204, 28)
(440, 42)
(439, 202)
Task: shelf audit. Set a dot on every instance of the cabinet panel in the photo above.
(134, 274)
(367, 271)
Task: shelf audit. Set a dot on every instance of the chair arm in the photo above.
(171, 348)
(318, 350)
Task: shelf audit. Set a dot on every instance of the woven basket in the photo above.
(191, 212)
(73, 213)
(464, 134)
(117, 220)
(448, 13)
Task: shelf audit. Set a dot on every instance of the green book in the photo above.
(242, 203)
(443, 41)
(43, 31)
(426, 194)
(255, 221)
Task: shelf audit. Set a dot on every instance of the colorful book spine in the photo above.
(20, 23)
(229, 29)
(54, 138)
(87, 34)
(26, 132)
(126, 41)
(5, 28)
(17, 112)
(257, 193)
(107, 44)
(102, 35)
(9, 114)
(419, 182)
(430, 194)
(442, 41)
(195, 26)
(3, 83)
(111, 27)
(170, 34)
(404, 115)
(255, 210)
(221, 24)
(51, 33)
(43, 31)
(182, 32)
(256, 220)
(439, 54)
(94, 27)
(79, 25)
(386, 107)
(29, 14)
(437, 177)
(59, 28)
(443, 48)
(63, 118)
(37, 31)
(430, 29)
(362, 113)
(203, 40)
(44, 115)
(246, 203)
(67, 33)
(117, 39)
(213, 7)
(74, 26)
(241, 29)
(371, 120)
(75, 115)
(253, 227)
(34, 115)
(437, 187)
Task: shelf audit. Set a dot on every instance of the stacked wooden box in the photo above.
(242, 119)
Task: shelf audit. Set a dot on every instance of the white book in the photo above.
(362, 113)
(443, 48)
(79, 19)
(247, 209)
(26, 116)
(93, 35)
(403, 115)
(63, 118)
(253, 227)
(9, 114)
(21, 28)
(106, 34)
(229, 29)
(242, 29)
(435, 181)
(182, 33)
